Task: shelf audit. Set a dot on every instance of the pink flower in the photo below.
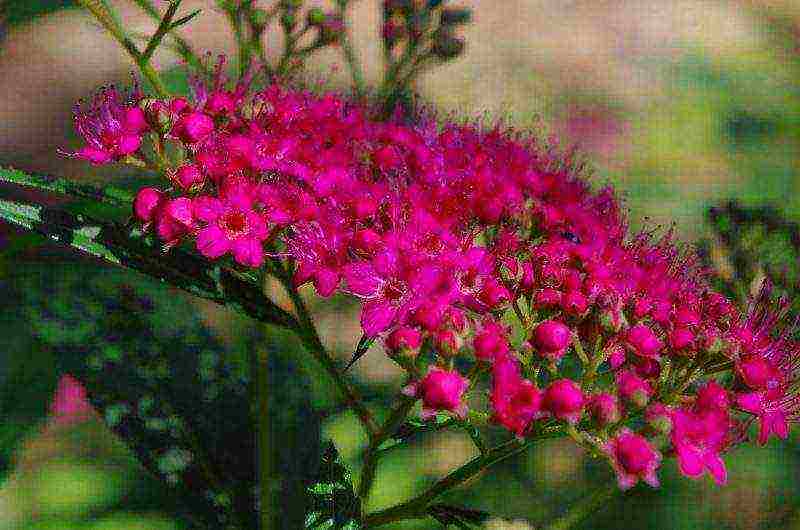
(404, 339)
(552, 338)
(232, 226)
(70, 402)
(564, 400)
(643, 341)
(700, 434)
(605, 408)
(146, 204)
(193, 127)
(773, 414)
(633, 388)
(111, 127)
(174, 220)
(440, 390)
(189, 177)
(516, 402)
(385, 284)
(633, 458)
(491, 342)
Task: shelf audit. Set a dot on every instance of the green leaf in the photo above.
(332, 501)
(458, 516)
(755, 240)
(183, 20)
(119, 245)
(173, 390)
(108, 194)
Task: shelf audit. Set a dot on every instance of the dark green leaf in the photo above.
(332, 501)
(458, 516)
(119, 245)
(175, 393)
(183, 20)
(364, 344)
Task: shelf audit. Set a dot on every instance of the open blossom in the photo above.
(111, 126)
(447, 234)
(633, 458)
(231, 226)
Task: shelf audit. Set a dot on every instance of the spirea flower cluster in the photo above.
(473, 251)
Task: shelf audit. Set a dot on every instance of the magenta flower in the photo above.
(491, 342)
(231, 226)
(633, 388)
(111, 127)
(701, 434)
(605, 408)
(516, 402)
(440, 390)
(643, 341)
(70, 402)
(564, 400)
(551, 339)
(146, 204)
(404, 339)
(633, 459)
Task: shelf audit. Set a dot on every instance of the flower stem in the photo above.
(109, 22)
(396, 418)
(263, 447)
(417, 507)
(580, 510)
(307, 332)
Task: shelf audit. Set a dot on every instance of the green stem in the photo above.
(99, 9)
(308, 335)
(182, 46)
(396, 418)
(583, 508)
(264, 446)
(236, 17)
(350, 55)
(417, 507)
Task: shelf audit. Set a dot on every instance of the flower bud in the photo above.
(681, 338)
(659, 417)
(146, 203)
(447, 342)
(648, 368)
(615, 354)
(193, 127)
(404, 340)
(491, 342)
(189, 177)
(574, 303)
(643, 341)
(564, 400)
(551, 338)
(605, 408)
(633, 458)
(440, 390)
(633, 388)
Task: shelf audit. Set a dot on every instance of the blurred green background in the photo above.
(681, 104)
